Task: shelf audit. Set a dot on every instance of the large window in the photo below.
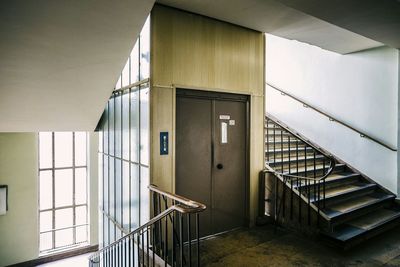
(124, 147)
(63, 203)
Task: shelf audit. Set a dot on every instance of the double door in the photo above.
(211, 156)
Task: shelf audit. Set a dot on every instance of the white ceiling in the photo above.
(378, 20)
(60, 60)
(275, 18)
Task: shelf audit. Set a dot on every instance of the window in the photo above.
(63, 208)
(124, 147)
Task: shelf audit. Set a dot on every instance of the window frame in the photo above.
(73, 167)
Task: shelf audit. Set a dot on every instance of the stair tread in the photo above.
(293, 159)
(364, 224)
(318, 167)
(344, 189)
(339, 209)
(279, 150)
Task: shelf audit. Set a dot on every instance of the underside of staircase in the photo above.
(352, 207)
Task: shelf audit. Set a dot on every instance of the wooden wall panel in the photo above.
(196, 52)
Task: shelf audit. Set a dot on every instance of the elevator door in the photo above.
(211, 157)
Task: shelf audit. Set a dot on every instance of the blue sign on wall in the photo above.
(163, 143)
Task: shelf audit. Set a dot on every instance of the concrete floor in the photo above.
(262, 246)
(77, 261)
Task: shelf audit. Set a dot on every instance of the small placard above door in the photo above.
(224, 117)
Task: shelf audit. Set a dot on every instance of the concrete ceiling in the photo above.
(278, 19)
(60, 60)
(375, 19)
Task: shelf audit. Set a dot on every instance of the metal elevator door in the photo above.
(211, 156)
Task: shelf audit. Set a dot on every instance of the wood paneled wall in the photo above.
(195, 52)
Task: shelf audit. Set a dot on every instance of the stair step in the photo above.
(301, 172)
(342, 211)
(335, 179)
(345, 192)
(279, 144)
(279, 160)
(367, 225)
(286, 150)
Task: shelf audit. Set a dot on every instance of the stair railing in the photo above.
(307, 182)
(160, 241)
(332, 119)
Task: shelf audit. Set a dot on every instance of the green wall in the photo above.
(18, 169)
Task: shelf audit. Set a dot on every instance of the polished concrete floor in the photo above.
(263, 246)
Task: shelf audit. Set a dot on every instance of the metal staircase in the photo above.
(310, 189)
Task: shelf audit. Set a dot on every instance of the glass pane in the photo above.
(81, 215)
(45, 150)
(63, 149)
(101, 181)
(125, 126)
(145, 50)
(135, 194)
(118, 84)
(81, 234)
(105, 132)
(80, 148)
(125, 74)
(111, 191)
(135, 125)
(46, 189)
(64, 218)
(46, 221)
(64, 237)
(101, 141)
(105, 184)
(105, 231)
(135, 63)
(118, 192)
(63, 187)
(80, 186)
(125, 195)
(118, 132)
(144, 195)
(144, 126)
(111, 127)
(112, 232)
(46, 241)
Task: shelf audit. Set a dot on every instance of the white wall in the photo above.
(360, 89)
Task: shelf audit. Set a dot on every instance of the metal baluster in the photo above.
(143, 248)
(181, 238)
(198, 239)
(138, 248)
(291, 180)
(166, 241)
(323, 181)
(190, 241)
(153, 243)
(275, 145)
(148, 245)
(281, 150)
(173, 237)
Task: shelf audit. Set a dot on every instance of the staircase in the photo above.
(348, 207)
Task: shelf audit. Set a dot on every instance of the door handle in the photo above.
(220, 166)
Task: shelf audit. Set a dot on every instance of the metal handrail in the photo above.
(331, 118)
(184, 206)
(332, 160)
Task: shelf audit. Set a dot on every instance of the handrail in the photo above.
(192, 206)
(329, 156)
(184, 206)
(331, 118)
